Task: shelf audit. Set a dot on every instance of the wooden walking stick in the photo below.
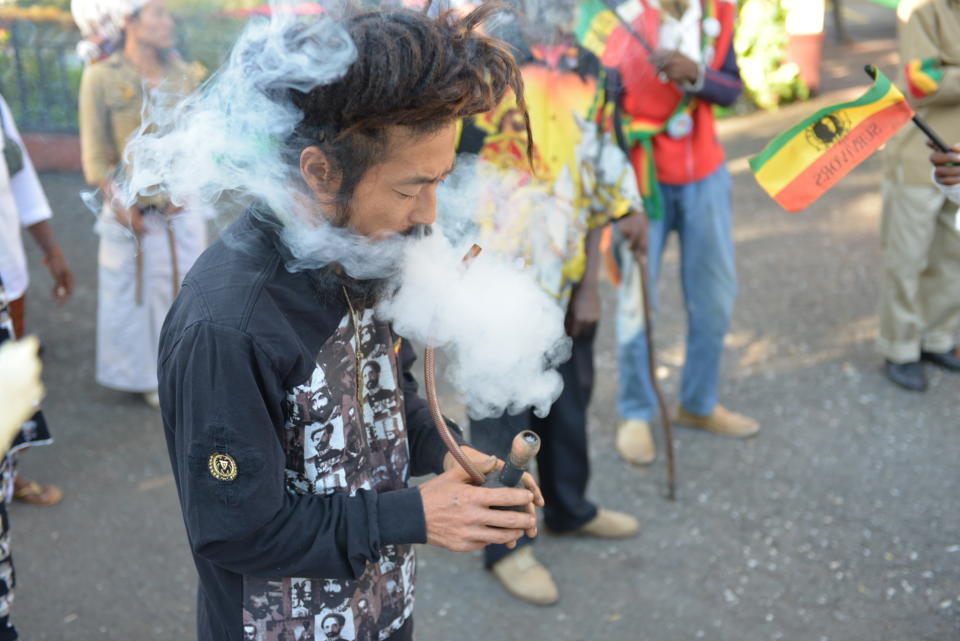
(641, 257)
(174, 268)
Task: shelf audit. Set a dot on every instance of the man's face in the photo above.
(331, 587)
(249, 633)
(259, 606)
(400, 192)
(331, 628)
(321, 439)
(153, 26)
(373, 378)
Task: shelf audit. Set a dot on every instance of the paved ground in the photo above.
(840, 522)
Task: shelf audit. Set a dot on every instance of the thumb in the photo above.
(488, 465)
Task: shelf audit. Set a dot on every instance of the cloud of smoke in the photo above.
(500, 334)
(230, 139)
(228, 144)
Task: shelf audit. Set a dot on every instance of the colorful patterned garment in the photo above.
(923, 76)
(581, 178)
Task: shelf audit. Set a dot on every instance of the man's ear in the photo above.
(318, 172)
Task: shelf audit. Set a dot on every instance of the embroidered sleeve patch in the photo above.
(924, 76)
(222, 467)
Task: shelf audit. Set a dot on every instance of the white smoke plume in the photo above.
(500, 335)
(227, 145)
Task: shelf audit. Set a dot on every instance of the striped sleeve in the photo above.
(927, 78)
(722, 86)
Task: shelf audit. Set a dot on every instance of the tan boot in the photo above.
(720, 421)
(634, 441)
(608, 524)
(525, 578)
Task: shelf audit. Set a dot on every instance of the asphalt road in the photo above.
(839, 522)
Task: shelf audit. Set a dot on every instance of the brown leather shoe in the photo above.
(634, 441)
(720, 421)
(527, 579)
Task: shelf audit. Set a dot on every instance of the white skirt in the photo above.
(137, 284)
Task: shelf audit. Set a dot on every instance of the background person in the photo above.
(554, 216)
(23, 204)
(920, 294)
(132, 65)
(667, 103)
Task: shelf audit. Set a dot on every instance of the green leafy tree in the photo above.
(761, 46)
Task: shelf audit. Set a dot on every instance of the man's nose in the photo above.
(426, 211)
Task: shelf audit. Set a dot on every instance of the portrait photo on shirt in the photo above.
(335, 626)
(301, 597)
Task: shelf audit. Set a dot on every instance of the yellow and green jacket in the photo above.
(581, 179)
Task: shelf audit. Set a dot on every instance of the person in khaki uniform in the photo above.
(145, 249)
(920, 300)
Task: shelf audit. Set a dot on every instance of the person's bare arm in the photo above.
(584, 310)
(53, 258)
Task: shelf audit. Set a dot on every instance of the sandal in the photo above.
(36, 494)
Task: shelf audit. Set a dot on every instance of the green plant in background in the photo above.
(761, 46)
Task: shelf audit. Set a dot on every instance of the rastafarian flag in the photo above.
(799, 165)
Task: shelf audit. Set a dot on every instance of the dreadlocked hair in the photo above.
(412, 71)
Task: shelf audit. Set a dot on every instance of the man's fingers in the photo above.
(497, 535)
(504, 497)
(487, 465)
(532, 531)
(507, 519)
(940, 158)
(947, 175)
(530, 484)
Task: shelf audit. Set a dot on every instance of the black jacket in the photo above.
(258, 375)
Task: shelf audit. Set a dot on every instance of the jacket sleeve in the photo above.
(928, 78)
(32, 205)
(722, 86)
(97, 150)
(426, 447)
(220, 395)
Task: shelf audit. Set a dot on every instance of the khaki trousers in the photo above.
(920, 297)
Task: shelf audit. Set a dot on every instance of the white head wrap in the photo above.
(101, 23)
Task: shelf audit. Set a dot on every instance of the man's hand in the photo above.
(947, 165)
(62, 276)
(633, 226)
(172, 210)
(675, 66)
(483, 461)
(130, 217)
(584, 310)
(460, 516)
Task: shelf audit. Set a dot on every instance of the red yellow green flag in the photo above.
(799, 165)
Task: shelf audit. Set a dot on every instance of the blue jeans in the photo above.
(700, 214)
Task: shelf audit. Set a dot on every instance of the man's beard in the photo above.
(314, 246)
(370, 291)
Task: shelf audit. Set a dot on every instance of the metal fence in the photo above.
(40, 77)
